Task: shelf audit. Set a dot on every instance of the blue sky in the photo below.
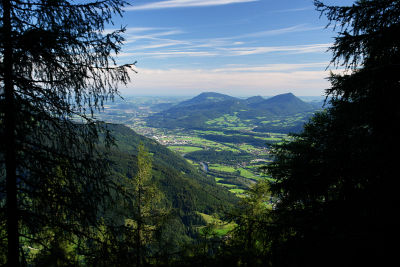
(236, 47)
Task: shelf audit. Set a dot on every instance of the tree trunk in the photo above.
(139, 229)
(10, 141)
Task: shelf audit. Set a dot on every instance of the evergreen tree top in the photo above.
(368, 31)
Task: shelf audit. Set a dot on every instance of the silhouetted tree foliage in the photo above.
(335, 182)
(56, 69)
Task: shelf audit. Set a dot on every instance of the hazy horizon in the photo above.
(188, 96)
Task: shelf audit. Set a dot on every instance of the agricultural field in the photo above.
(233, 165)
(184, 149)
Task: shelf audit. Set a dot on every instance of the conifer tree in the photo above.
(56, 70)
(249, 238)
(146, 211)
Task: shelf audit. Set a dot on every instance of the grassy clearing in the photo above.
(185, 149)
(219, 227)
(223, 168)
(237, 191)
(227, 120)
(201, 142)
(248, 174)
(239, 128)
(208, 132)
(227, 185)
(269, 138)
(246, 147)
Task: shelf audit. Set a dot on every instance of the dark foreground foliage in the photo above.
(56, 68)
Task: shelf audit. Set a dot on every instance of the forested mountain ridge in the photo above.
(201, 111)
(205, 98)
(283, 104)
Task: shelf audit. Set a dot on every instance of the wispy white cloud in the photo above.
(274, 67)
(132, 29)
(189, 51)
(143, 40)
(157, 45)
(168, 54)
(296, 49)
(142, 29)
(133, 37)
(294, 9)
(274, 32)
(292, 29)
(185, 3)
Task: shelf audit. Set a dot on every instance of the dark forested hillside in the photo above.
(186, 189)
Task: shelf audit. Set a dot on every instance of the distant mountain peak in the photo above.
(284, 96)
(206, 97)
(211, 94)
(284, 104)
